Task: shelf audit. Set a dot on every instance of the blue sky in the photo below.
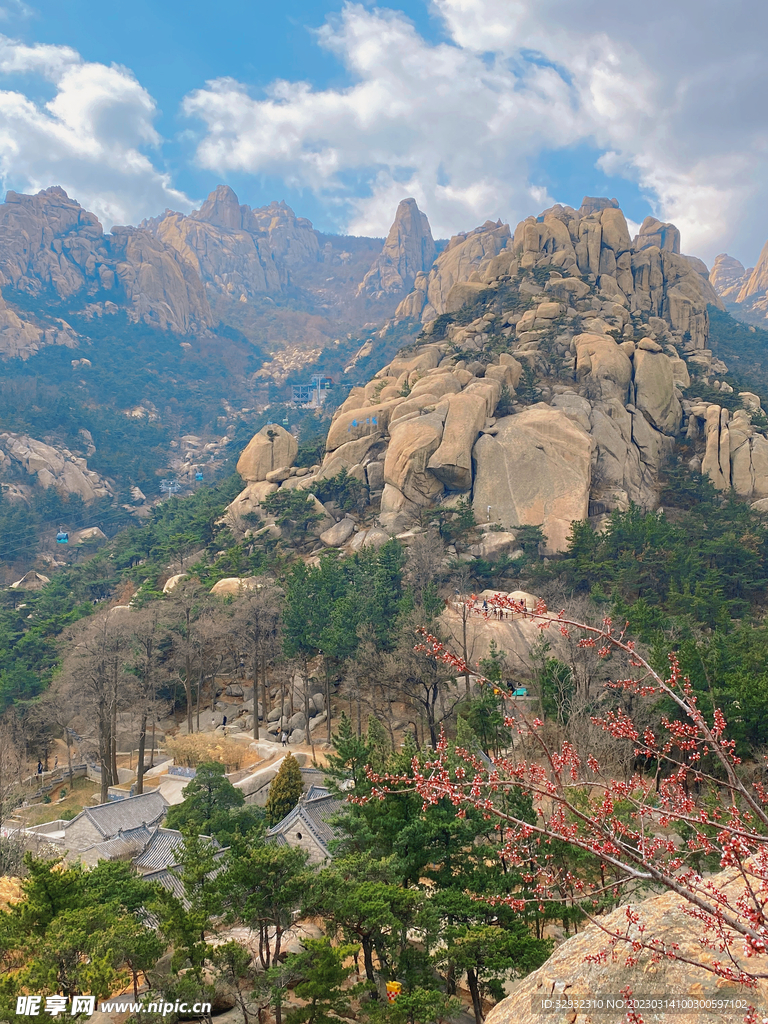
(478, 108)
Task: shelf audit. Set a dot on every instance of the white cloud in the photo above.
(672, 93)
(451, 127)
(90, 137)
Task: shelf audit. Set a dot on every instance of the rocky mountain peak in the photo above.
(754, 288)
(221, 208)
(744, 291)
(594, 204)
(48, 242)
(455, 266)
(727, 276)
(292, 239)
(654, 232)
(612, 334)
(408, 250)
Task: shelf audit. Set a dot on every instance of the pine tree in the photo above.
(527, 391)
(285, 791)
(350, 756)
(322, 971)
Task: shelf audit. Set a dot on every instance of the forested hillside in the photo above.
(349, 633)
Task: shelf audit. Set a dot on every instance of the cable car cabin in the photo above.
(198, 475)
(521, 691)
(62, 537)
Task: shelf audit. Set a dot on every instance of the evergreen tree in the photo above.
(527, 391)
(350, 756)
(212, 806)
(285, 791)
(322, 971)
(264, 887)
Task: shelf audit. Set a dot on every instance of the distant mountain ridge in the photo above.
(187, 274)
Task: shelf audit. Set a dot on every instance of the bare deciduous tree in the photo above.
(256, 624)
(94, 677)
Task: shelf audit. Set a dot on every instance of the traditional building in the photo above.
(308, 826)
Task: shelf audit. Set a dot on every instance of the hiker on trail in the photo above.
(39, 767)
(56, 762)
(284, 738)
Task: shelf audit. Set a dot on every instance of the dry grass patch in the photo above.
(190, 751)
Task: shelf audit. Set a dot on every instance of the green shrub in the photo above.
(527, 391)
(347, 491)
(292, 509)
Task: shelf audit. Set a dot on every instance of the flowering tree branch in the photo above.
(647, 829)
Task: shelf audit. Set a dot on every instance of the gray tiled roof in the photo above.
(169, 879)
(163, 849)
(124, 844)
(111, 818)
(314, 792)
(314, 815)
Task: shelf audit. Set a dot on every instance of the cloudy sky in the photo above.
(478, 108)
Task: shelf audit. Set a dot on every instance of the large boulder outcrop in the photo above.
(412, 443)
(536, 470)
(235, 586)
(409, 249)
(576, 972)
(58, 468)
(451, 463)
(20, 339)
(355, 424)
(735, 454)
(654, 383)
(273, 447)
(655, 233)
(603, 362)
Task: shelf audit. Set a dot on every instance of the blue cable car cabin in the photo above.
(199, 475)
(62, 537)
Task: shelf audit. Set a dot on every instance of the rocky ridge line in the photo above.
(237, 251)
(48, 243)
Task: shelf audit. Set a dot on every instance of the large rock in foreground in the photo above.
(536, 471)
(566, 975)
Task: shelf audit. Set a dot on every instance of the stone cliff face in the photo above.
(409, 250)
(237, 251)
(25, 461)
(561, 395)
(48, 243)
(753, 295)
